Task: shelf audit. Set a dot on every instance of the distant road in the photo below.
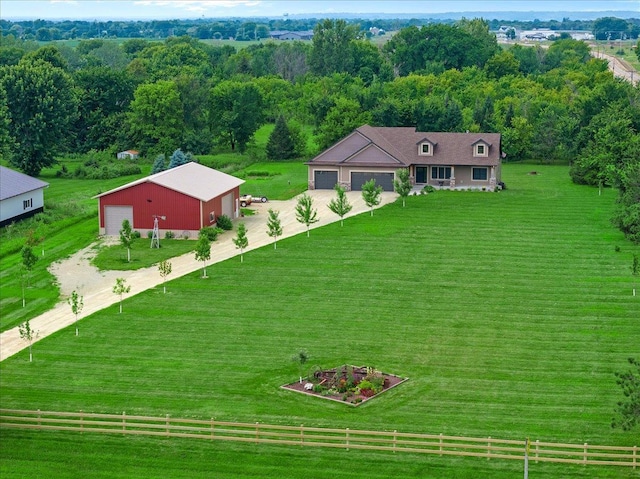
(619, 68)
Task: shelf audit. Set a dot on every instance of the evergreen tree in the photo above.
(158, 164)
(177, 159)
(281, 145)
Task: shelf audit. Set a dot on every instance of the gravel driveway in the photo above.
(76, 272)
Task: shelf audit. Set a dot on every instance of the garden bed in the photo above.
(352, 385)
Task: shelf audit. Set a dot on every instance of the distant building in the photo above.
(128, 155)
(289, 35)
(21, 196)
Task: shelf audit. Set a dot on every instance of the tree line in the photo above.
(553, 104)
(258, 28)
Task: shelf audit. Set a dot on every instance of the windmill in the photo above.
(155, 237)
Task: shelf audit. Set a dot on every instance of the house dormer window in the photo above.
(480, 150)
(425, 149)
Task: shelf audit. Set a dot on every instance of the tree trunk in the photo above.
(121, 306)
(128, 255)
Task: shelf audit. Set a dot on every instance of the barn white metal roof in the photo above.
(191, 179)
(14, 183)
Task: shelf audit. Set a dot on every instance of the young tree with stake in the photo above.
(77, 303)
(340, 205)
(29, 335)
(165, 270)
(274, 226)
(29, 260)
(305, 213)
(120, 289)
(402, 184)
(635, 271)
(241, 240)
(371, 194)
(126, 237)
(203, 253)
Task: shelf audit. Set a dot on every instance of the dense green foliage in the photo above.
(629, 408)
(41, 105)
(516, 331)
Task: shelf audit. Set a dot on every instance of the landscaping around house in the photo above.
(349, 384)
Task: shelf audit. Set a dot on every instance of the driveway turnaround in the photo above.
(77, 273)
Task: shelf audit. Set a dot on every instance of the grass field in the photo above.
(509, 312)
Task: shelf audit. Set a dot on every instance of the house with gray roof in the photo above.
(185, 199)
(439, 159)
(21, 196)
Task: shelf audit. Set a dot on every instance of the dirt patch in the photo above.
(351, 385)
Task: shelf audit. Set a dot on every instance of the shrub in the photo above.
(150, 234)
(136, 234)
(210, 232)
(169, 235)
(224, 222)
(428, 189)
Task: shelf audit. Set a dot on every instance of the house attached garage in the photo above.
(358, 179)
(325, 179)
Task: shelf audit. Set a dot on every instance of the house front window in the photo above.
(27, 203)
(440, 172)
(480, 174)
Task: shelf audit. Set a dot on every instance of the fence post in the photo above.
(301, 435)
(586, 454)
(489, 449)
(124, 422)
(537, 448)
(81, 422)
(395, 440)
(635, 456)
(347, 438)
(212, 428)
(440, 444)
(167, 425)
(39, 416)
(257, 432)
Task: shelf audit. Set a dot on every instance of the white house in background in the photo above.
(21, 196)
(128, 155)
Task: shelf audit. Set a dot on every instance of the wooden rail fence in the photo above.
(394, 441)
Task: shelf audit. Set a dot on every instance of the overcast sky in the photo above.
(180, 9)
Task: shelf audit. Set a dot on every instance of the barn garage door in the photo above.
(382, 179)
(113, 218)
(227, 205)
(325, 180)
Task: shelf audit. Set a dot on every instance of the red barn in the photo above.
(188, 197)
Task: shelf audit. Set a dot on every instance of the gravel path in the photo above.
(77, 273)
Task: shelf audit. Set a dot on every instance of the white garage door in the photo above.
(227, 205)
(113, 218)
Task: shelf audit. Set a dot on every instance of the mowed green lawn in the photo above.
(509, 312)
